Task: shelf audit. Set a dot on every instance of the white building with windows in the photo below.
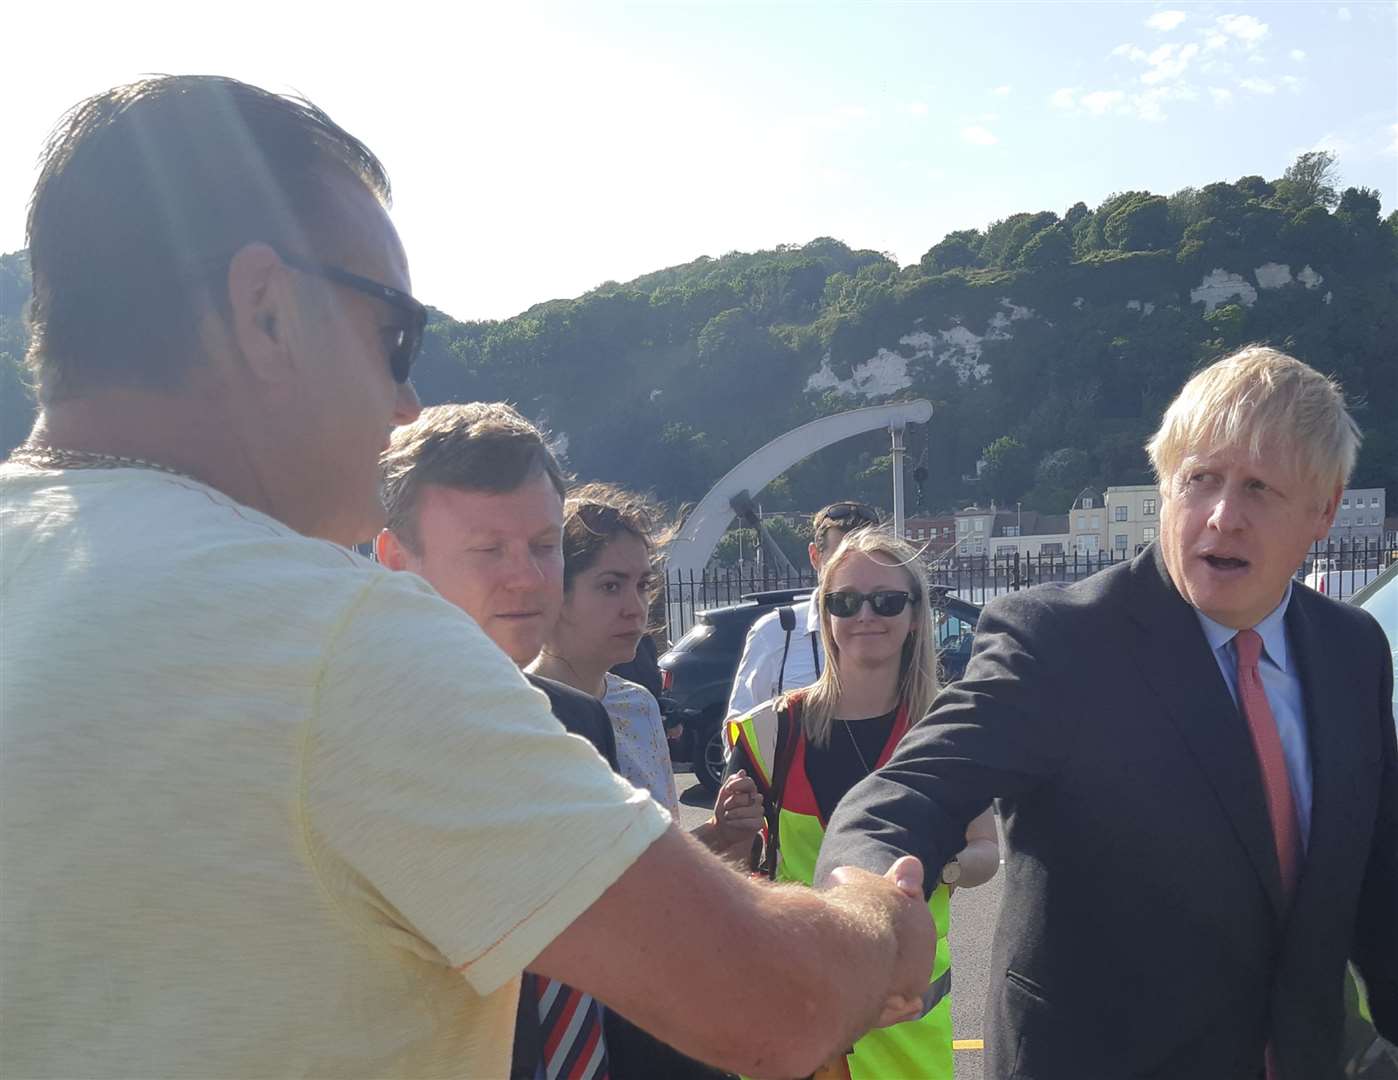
(1087, 534)
(1132, 516)
(1359, 519)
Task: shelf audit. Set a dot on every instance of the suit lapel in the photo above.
(1180, 667)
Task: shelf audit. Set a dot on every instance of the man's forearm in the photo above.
(805, 971)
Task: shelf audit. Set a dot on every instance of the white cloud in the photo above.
(1246, 28)
(1166, 20)
(1101, 101)
(1299, 55)
(1064, 97)
(978, 135)
(1332, 142)
(1343, 14)
(1221, 95)
(1002, 91)
(1131, 52)
(1292, 83)
(1258, 86)
(1166, 63)
(1214, 40)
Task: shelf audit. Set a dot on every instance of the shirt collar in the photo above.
(812, 616)
(1272, 630)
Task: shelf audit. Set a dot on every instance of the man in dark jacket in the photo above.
(1195, 763)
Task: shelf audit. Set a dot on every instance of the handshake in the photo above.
(894, 903)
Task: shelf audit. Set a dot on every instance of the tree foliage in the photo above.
(1058, 340)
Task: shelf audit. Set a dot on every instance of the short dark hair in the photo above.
(596, 513)
(842, 516)
(145, 192)
(481, 446)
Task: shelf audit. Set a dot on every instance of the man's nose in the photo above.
(407, 407)
(1227, 513)
(522, 569)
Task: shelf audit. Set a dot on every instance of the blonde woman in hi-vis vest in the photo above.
(807, 748)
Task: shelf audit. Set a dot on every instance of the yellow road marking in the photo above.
(968, 1044)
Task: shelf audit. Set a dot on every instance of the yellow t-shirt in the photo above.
(267, 809)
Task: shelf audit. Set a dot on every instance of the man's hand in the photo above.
(899, 891)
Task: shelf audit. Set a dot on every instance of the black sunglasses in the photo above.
(840, 513)
(407, 340)
(885, 602)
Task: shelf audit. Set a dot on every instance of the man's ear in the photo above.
(1327, 513)
(260, 303)
(389, 550)
(813, 553)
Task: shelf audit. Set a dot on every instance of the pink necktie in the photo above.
(1286, 832)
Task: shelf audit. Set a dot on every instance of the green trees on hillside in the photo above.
(1053, 340)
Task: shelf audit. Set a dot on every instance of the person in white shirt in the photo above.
(271, 809)
(778, 658)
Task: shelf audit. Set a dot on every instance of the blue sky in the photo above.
(539, 150)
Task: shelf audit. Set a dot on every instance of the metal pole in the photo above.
(897, 432)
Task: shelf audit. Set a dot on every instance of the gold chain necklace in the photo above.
(44, 457)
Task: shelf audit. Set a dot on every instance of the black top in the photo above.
(582, 714)
(834, 769)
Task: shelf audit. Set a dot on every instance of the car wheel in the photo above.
(708, 756)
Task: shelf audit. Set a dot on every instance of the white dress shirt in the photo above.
(761, 670)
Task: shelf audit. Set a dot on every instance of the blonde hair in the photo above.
(1259, 399)
(917, 675)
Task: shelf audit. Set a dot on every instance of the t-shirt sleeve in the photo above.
(756, 678)
(444, 807)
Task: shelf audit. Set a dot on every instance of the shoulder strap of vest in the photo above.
(756, 732)
(788, 735)
(786, 618)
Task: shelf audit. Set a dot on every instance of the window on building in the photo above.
(1051, 548)
(980, 524)
(1373, 500)
(1082, 521)
(1121, 513)
(1011, 530)
(1148, 533)
(1096, 521)
(1087, 503)
(1345, 502)
(1148, 508)
(1119, 541)
(962, 525)
(1006, 551)
(1376, 519)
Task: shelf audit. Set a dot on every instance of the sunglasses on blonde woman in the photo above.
(886, 602)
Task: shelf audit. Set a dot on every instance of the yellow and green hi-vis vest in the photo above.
(920, 1048)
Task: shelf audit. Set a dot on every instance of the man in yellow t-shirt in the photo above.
(268, 808)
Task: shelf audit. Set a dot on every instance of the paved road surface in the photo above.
(973, 913)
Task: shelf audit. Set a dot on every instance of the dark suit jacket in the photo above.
(1143, 931)
(581, 714)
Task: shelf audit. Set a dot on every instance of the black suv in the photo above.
(697, 673)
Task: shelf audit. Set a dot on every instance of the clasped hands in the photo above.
(737, 810)
(900, 890)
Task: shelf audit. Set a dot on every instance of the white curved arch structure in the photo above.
(694, 544)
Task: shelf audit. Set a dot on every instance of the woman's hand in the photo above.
(737, 812)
